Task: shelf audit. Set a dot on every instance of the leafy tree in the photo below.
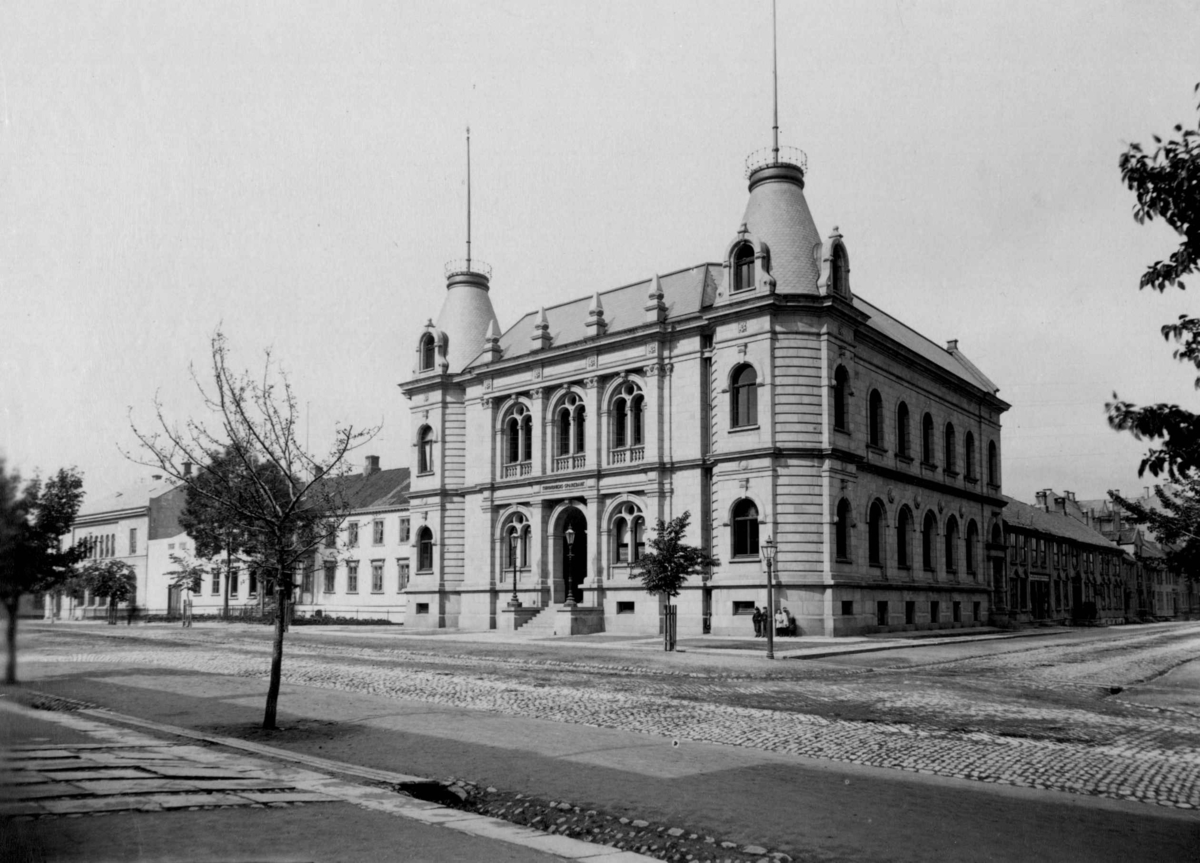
(33, 521)
(211, 520)
(1167, 185)
(114, 580)
(1174, 524)
(257, 476)
(670, 562)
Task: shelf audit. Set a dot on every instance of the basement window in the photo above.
(624, 608)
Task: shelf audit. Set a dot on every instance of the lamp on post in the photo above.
(768, 549)
(569, 574)
(515, 602)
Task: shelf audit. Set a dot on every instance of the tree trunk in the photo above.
(276, 661)
(228, 566)
(10, 671)
(112, 610)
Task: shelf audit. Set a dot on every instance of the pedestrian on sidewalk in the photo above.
(131, 613)
(758, 622)
(781, 622)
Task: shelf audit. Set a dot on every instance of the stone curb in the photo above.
(395, 804)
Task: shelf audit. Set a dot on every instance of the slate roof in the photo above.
(135, 495)
(951, 361)
(383, 489)
(777, 213)
(685, 292)
(1055, 523)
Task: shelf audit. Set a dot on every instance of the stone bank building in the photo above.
(758, 391)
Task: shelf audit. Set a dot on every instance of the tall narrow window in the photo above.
(377, 576)
(928, 540)
(352, 576)
(841, 385)
(973, 548)
(620, 420)
(875, 525)
(405, 536)
(629, 541)
(352, 534)
(330, 576)
(951, 446)
(743, 268)
(424, 549)
(927, 439)
(427, 352)
(903, 528)
(401, 575)
(903, 446)
(969, 468)
(625, 417)
(635, 419)
(621, 539)
(993, 466)
(425, 450)
(518, 436)
(745, 397)
(745, 528)
(571, 437)
(843, 529)
(377, 532)
(133, 540)
(875, 419)
(952, 544)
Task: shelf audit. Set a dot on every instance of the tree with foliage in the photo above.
(1167, 186)
(111, 579)
(257, 475)
(210, 520)
(33, 521)
(670, 562)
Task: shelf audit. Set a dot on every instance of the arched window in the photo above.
(928, 539)
(903, 444)
(969, 456)
(951, 544)
(514, 536)
(744, 404)
(903, 529)
(972, 548)
(428, 352)
(518, 434)
(951, 446)
(993, 466)
(629, 534)
(997, 535)
(571, 437)
(875, 419)
(626, 422)
(424, 549)
(843, 529)
(743, 268)
(840, 270)
(745, 528)
(927, 439)
(425, 450)
(841, 386)
(876, 520)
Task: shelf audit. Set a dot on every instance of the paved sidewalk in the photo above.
(176, 800)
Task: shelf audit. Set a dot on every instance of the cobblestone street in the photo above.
(1053, 712)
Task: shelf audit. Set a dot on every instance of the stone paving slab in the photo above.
(287, 796)
(52, 789)
(127, 803)
(186, 801)
(147, 785)
(99, 773)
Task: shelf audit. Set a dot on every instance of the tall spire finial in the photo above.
(469, 196)
(775, 83)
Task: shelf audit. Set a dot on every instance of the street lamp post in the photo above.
(569, 575)
(515, 602)
(768, 549)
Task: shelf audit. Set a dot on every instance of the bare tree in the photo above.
(282, 499)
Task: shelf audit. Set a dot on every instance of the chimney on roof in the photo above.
(1060, 504)
(187, 468)
(371, 465)
(1070, 495)
(1041, 500)
(952, 345)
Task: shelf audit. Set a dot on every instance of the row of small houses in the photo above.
(1065, 560)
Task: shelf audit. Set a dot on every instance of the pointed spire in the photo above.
(541, 331)
(656, 309)
(595, 322)
(468, 198)
(491, 343)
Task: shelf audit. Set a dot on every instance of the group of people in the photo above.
(785, 624)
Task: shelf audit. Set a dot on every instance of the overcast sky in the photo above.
(295, 173)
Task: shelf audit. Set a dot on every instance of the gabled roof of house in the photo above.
(1019, 514)
(383, 489)
(132, 496)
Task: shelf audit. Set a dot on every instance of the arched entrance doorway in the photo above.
(573, 556)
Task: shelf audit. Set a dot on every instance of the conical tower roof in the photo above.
(777, 214)
(466, 316)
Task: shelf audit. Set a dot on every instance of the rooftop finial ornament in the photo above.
(776, 156)
(455, 268)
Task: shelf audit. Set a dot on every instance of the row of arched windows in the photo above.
(876, 434)
(877, 539)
